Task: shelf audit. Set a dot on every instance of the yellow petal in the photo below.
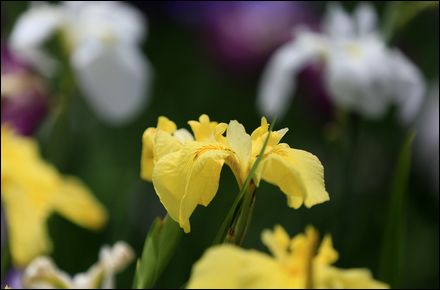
(183, 135)
(334, 278)
(189, 177)
(229, 267)
(164, 144)
(148, 145)
(264, 128)
(27, 232)
(166, 125)
(327, 255)
(204, 129)
(277, 241)
(297, 173)
(32, 190)
(240, 142)
(147, 158)
(77, 203)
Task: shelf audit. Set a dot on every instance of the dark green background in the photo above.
(359, 165)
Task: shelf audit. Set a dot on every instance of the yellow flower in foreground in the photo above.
(32, 190)
(296, 263)
(185, 170)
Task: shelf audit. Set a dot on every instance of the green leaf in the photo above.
(391, 264)
(400, 13)
(159, 247)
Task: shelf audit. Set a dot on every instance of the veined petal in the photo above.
(114, 79)
(297, 173)
(230, 267)
(77, 203)
(189, 177)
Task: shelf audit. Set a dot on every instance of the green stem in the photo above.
(392, 258)
(235, 212)
(160, 245)
(240, 225)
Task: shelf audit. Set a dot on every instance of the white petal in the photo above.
(32, 29)
(106, 20)
(278, 82)
(358, 77)
(337, 23)
(409, 86)
(366, 18)
(114, 80)
(35, 26)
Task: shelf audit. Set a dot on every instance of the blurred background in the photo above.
(207, 57)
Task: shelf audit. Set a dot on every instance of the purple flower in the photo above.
(13, 279)
(241, 34)
(23, 95)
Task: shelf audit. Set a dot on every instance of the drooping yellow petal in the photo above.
(77, 203)
(297, 173)
(189, 177)
(229, 267)
(27, 232)
(31, 191)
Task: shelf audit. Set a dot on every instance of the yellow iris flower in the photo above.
(185, 170)
(296, 263)
(32, 190)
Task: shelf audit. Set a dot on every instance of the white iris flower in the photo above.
(361, 73)
(42, 273)
(103, 42)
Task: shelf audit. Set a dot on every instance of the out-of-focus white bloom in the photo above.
(361, 73)
(427, 138)
(103, 42)
(42, 273)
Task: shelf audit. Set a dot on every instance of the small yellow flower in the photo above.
(296, 263)
(32, 190)
(185, 170)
